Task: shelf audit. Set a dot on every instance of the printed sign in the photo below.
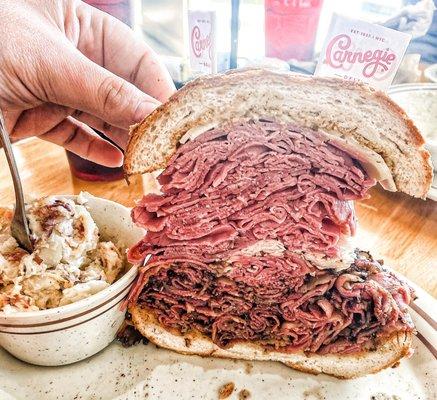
(202, 41)
(361, 51)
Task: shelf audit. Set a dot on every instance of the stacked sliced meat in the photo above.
(282, 303)
(239, 186)
(249, 182)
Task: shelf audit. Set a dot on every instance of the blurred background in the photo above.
(164, 25)
(205, 36)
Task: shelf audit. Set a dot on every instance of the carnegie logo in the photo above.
(199, 44)
(340, 55)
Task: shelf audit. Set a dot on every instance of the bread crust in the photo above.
(158, 135)
(389, 351)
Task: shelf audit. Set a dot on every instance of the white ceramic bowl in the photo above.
(431, 73)
(79, 330)
(419, 100)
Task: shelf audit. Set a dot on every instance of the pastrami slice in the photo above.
(282, 303)
(246, 182)
(248, 244)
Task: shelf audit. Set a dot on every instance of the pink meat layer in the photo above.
(246, 182)
(282, 303)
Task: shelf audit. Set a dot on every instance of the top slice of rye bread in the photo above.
(341, 108)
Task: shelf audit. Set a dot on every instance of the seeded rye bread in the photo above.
(340, 108)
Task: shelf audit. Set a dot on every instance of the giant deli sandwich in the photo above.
(248, 252)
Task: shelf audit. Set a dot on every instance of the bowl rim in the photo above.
(430, 72)
(414, 87)
(408, 87)
(81, 305)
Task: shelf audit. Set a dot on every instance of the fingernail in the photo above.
(144, 109)
(115, 161)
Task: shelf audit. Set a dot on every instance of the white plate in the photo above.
(431, 73)
(144, 371)
(419, 100)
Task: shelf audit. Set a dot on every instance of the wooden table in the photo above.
(397, 228)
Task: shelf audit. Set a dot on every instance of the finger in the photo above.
(41, 119)
(38, 120)
(76, 82)
(113, 45)
(80, 139)
(11, 117)
(117, 135)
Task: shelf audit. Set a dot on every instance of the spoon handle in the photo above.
(20, 214)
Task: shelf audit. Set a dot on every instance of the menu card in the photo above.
(361, 51)
(202, 41)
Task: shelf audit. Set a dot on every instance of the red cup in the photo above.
(81, 168)
(291, 27)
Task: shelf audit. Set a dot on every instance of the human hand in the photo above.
(66, 67)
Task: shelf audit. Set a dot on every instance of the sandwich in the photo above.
(249, 250)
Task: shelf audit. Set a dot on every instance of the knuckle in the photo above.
(113, 93)
(77, 113)
(72, 136)
(107, 127)
(88, 149)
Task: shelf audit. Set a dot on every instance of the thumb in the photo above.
(83, 85)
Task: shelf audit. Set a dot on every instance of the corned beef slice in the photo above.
(234, 186)
(243, 183)
(283, 303)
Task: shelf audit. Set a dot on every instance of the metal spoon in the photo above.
(19, 228)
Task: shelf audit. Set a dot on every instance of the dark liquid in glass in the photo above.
(81, 168)
(89, 171)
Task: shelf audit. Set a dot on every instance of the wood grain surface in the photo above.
(397, 228)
